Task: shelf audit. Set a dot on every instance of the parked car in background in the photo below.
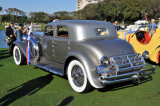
(140, 24)
(88, 52)
(143, 43)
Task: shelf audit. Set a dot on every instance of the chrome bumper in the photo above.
(127, 77)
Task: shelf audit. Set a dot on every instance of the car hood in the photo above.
(111, 47)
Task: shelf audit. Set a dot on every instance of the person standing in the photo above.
(117, 25)
(152, 28)
(21, 31)
(30, 29)
(159, 23)
(55, 20)
(11, 33)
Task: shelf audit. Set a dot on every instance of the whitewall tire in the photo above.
(77, 77)
(18, 56)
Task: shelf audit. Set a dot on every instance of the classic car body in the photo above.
(140, 24)
(142, 42)
(88, 52)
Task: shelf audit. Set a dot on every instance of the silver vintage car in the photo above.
(87, 51)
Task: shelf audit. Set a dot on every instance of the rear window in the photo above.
(102, 31)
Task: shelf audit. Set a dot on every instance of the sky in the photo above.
(48, 6)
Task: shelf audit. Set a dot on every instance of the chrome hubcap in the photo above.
(77, 76)
(17, 55)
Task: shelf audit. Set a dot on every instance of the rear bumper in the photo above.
(127, 77)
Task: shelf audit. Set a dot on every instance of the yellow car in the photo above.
(143, 43)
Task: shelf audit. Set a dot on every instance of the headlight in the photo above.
(145, 55)
(105, 61)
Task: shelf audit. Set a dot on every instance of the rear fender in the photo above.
(90, 68)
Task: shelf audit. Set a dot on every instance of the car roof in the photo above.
(84, 29)
(79, 22)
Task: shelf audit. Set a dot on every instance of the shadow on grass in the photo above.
(123, 85)
(4, 54)
(28, 88)
(3, 51)
(151, 62)
(66, 101)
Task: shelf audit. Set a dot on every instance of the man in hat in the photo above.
(159, 23)
(152, 27)
(11, 34)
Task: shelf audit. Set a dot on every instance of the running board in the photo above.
(50, 69)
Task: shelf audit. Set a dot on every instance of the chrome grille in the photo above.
(128, 63)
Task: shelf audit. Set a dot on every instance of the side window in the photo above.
(62, 31)
(49, 31)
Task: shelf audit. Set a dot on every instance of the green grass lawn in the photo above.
(2, 27)
(31, 86)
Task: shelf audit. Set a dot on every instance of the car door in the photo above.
(48, 43)
(61, 41)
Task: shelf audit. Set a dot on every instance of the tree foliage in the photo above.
(62, 15)
(121, 10)
(15, 11)
(109, 10)
(112, 10)
(90, 12)
(14, 14)
(39, 17)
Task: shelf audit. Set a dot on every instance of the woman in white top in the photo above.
(30, 29)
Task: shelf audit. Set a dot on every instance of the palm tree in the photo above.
(1, 10)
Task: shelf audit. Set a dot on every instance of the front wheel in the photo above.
(18, 56)
(77, 77)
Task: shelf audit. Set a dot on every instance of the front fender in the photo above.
(21, 45)
(91, 69)
(35, 50)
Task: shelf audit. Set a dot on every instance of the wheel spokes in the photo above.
(17, 55)
(77, 76)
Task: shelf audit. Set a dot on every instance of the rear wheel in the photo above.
(18, 56)
(77, 77)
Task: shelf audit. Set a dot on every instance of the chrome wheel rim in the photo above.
(77, 76)
(17, 55)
